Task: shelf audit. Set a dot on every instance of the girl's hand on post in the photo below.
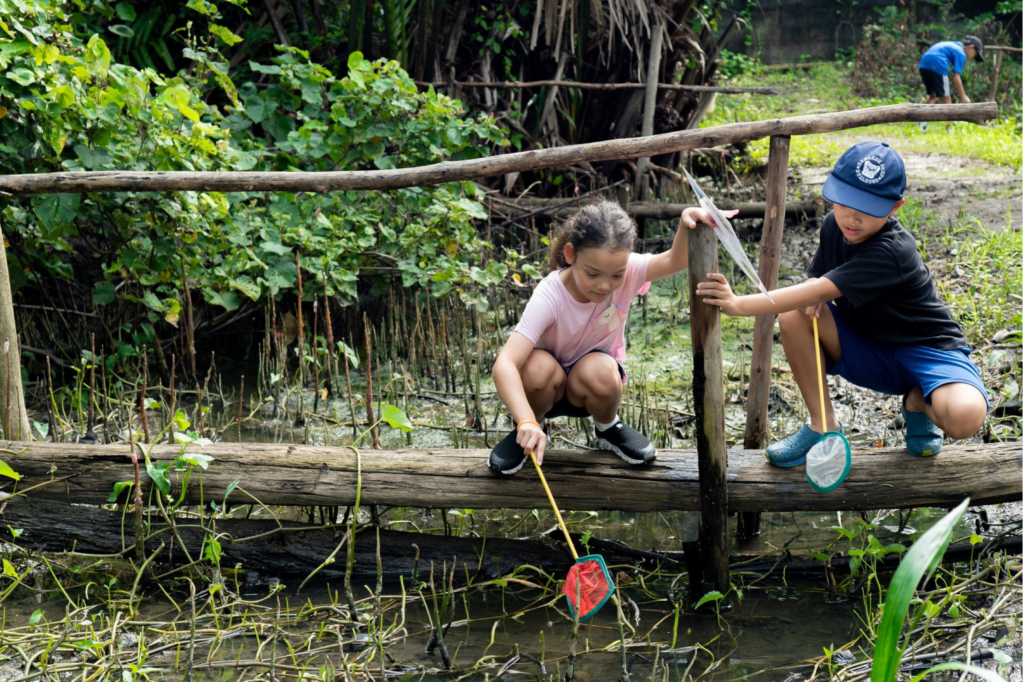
(532, 438)
(716, 291)
(694, 214)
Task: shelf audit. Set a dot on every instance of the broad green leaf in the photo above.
(473, 208)
(92, 158)
(225, 34)
(119, 488)
(97, 57)
(121, 30)
(36, 616)
(919, 561)
(152, 302)
(7, 471)
(158, 472)
(230, 489)
(103, 293)
(713, 595)
(200, 460)
(21, 76)
(182, 438)
(125, 11)
(211, 550)
(9, 569)
(395, 417)
(245, 285)
(180, 421)
(57, 210)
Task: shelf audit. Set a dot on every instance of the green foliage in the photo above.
(735, 64)
(920, 561)
(70, 105)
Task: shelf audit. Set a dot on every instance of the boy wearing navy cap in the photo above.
(939, 58)
(881, 323)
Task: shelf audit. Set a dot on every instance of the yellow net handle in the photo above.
(817, 361)
(554, 505)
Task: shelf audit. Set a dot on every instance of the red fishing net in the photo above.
(594, 582)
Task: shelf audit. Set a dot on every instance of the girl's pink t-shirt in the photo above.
(557, 322)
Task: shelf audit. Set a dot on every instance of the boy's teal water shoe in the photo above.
(924, 439)
(792, 450)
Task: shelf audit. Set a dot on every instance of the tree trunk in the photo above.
(641, 187)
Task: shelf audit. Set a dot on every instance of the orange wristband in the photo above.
(527, 421)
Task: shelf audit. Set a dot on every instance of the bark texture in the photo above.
(881, 478)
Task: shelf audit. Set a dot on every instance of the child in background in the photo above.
(881, 323)
(939, 58)
(565, 356)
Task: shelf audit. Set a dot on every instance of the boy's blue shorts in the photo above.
(896, 370)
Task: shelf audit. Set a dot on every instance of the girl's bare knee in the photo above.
(542, 372)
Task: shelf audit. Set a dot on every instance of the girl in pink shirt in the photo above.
(565, 357)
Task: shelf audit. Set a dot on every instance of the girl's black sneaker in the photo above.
(627, 443)
(507, 457)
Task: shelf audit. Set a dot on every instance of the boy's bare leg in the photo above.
(932, 99)
(798, 342)
(958, 409)
(543, 382)
(948, 99)
(595, 383)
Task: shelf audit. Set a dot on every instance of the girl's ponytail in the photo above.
(603, 224)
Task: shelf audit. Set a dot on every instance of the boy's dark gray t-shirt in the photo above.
(888, 292)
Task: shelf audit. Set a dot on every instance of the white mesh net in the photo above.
(828, 462)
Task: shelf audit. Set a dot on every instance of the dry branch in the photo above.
(326, 476)
(474, 169)
(655, 210)
(721, 89)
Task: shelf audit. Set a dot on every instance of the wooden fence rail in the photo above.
(525, 85)
(474, 169)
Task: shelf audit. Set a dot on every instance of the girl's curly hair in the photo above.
(603, 224)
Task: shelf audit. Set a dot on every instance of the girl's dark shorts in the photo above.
(563, 408)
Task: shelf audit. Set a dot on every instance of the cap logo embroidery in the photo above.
(870, 170)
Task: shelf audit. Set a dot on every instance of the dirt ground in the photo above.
(948, 184)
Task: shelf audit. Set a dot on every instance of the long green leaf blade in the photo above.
(919, 561)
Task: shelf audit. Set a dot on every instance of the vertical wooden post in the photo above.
(997, 61)
(709, 406)
(756, 433)
(15, 417)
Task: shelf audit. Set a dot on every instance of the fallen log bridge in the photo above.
(280, 474)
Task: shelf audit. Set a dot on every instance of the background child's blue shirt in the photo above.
(940, 55)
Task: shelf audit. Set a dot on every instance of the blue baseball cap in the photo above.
(869, 177)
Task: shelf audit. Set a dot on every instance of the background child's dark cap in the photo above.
(978, 47)
(869, 177)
